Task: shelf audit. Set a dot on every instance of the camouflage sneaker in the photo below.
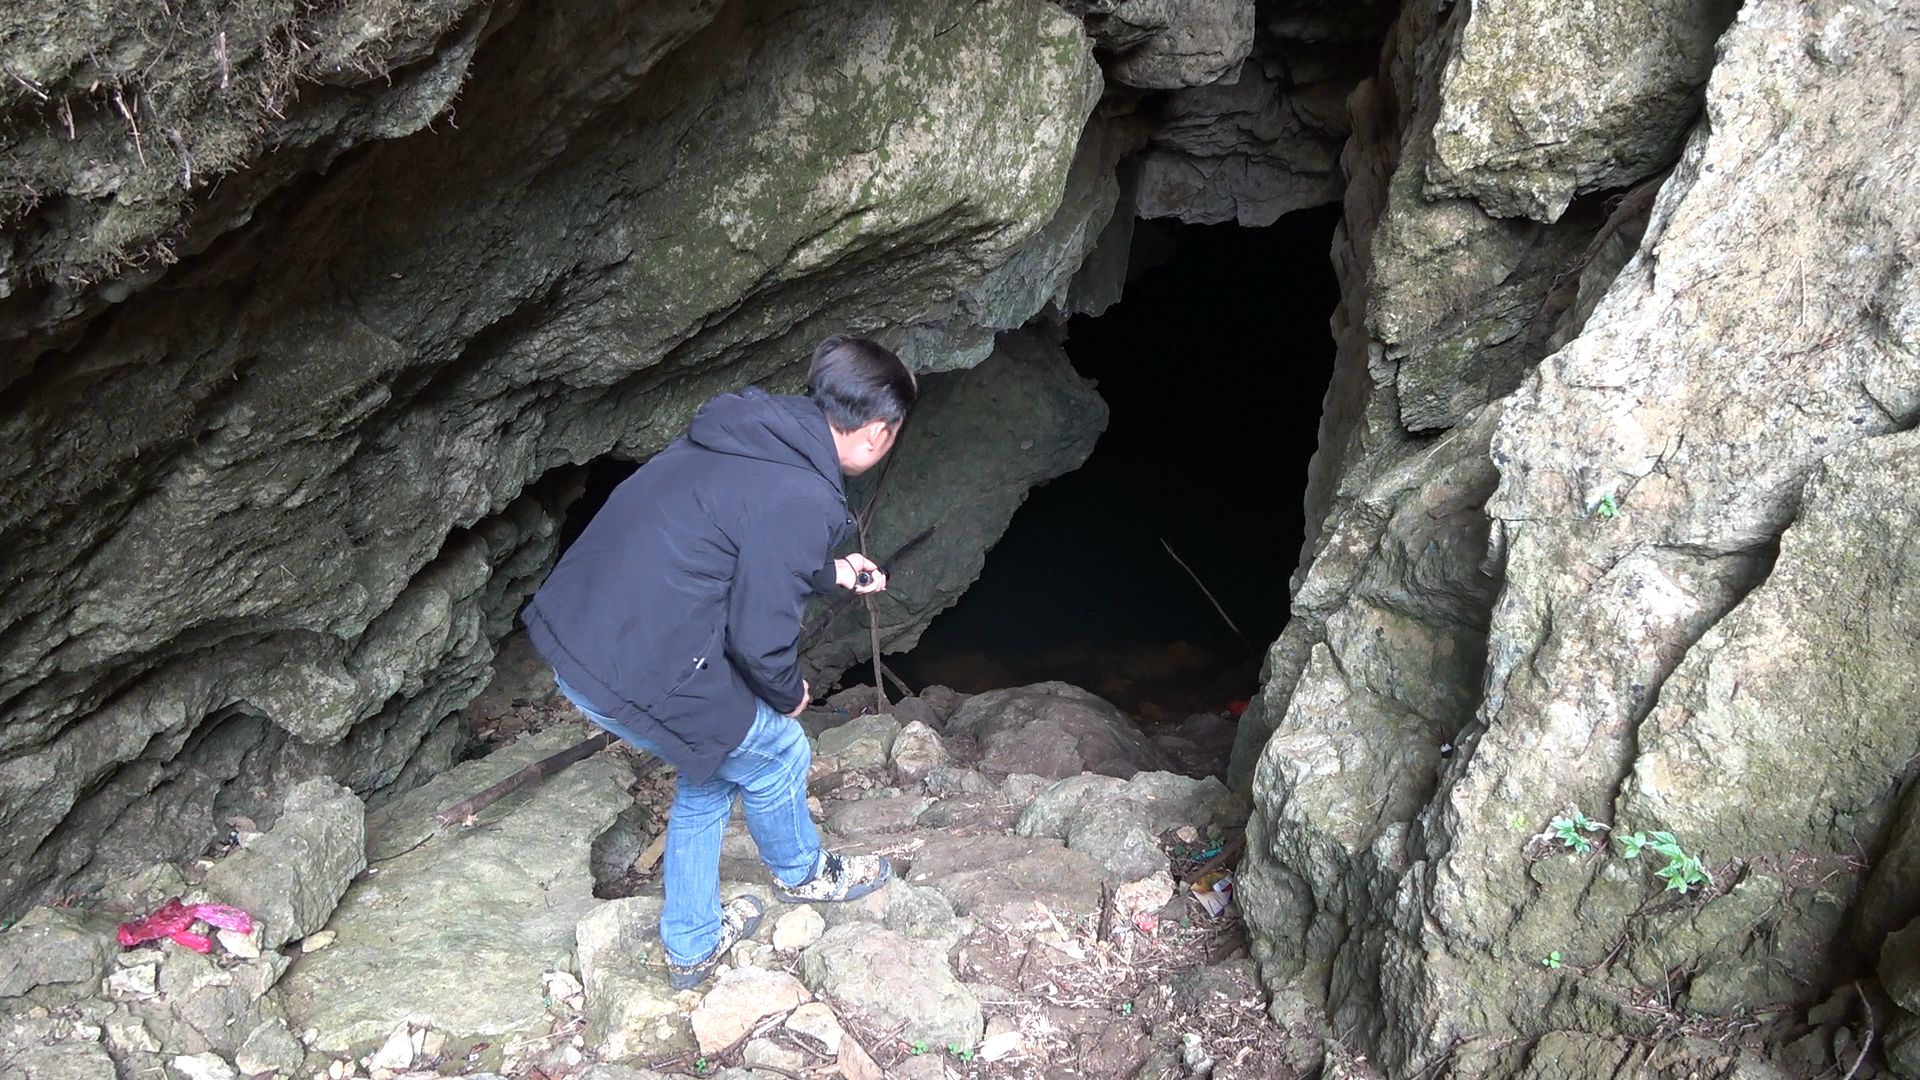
(739, 918)
(838, 877)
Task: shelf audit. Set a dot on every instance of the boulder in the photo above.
(894, 982)
(270, 1048)
(290, 877)
(917, 750)
(1120, 822)
(738, 1001)
(798, 929)
(52, 947)
(1003, 878)
(1542, 102)
(1900, 967)
(1052, 729)
(61, 1061)
(631, 1010)
(498, 902)
(861, 743)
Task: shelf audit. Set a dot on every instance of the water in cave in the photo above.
(1213, 364)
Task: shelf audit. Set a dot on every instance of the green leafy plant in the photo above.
(1607, 508)
(917, 1048)
(701, 1066)
(1126, 1008)
(1682, 872)
(964, 1053)
(1517, 821)
(1571, 830)
(1553, 961)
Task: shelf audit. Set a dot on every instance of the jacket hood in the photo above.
(755, 424)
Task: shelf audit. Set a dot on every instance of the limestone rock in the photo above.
(1903, 1046)
(270, 1047)
(767, 1052)
(738, 1001)
(396, 1053)
(61, 1061)
(1146, 895)
(54, 947)
(1003, 877)
(798, 929)
(1652, 475)
(943, 700)
(631, 1010)
(916, 751)
(915, 911)
(861, 743)
(290, 878)
(1171, 43)
(1900, 967)
(910, 711)
(1249, 147)
(817, 1022)
(498, 903)
(1036, 280)
(1052, 729)
(204, 1067)
(950, 780)
(1543, 102)
(893, 980)
(1120, 822)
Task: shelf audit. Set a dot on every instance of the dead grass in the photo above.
(113, 113)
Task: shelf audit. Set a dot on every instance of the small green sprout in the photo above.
(1571, 829)
(701, 1066)
(964, 1053)
(1682, 871)
(1126, 1008)
(1607, 508)
(918, 1047)
(1552, 961)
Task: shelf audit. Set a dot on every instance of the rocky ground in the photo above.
(1043, 923)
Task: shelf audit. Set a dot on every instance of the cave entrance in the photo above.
(1213, 365)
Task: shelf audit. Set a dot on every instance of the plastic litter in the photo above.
(175, 920)
(1214, 891)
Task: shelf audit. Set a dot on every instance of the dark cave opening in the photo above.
(1213, 365)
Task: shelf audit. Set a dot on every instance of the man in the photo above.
(673, 622)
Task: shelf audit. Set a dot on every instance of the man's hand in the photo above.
(846, 574)
(806, 698)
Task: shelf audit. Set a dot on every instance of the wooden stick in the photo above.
(1251, 651)
(899, 683)
(464, 811)
(1866, 1044)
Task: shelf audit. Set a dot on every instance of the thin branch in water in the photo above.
(1251, 651)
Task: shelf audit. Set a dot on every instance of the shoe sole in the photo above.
(688, 978)
(854, 893)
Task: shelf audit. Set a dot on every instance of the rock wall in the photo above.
(268, 509)
(1592, 482)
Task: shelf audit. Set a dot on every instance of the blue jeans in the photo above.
(768, 770)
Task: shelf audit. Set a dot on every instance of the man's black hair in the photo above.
(857, 382)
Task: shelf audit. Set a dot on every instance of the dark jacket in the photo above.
(681, 601)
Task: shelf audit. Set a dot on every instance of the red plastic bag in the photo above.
(175, 920)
